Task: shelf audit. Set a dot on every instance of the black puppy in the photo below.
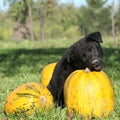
(87, 52)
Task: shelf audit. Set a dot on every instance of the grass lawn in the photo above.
(22, 62)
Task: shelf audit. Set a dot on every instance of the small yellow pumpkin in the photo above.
(27, 98)
(89, 94)
(47, 73)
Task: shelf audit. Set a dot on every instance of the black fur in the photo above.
(87, 52)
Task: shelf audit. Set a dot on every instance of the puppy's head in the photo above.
(93, 54)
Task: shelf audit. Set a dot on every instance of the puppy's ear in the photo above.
(96, 36)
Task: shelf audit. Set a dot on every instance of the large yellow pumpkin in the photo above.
(27, 98)
(47, 73)
(89, 94)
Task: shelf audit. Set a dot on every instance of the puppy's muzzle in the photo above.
(97, 64)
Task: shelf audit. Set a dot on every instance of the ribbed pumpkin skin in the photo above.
(47, 73)
(89, 94)
(27, 98)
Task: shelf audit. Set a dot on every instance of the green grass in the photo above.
(22, 62)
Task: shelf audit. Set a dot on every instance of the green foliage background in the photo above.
(61, 20)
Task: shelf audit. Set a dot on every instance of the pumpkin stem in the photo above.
(87, 69)
(42, 99)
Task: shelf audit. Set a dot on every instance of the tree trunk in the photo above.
(30, 22)
(112, 21)
(23, 28)
(41, 16)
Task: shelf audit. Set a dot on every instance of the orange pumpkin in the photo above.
(47, 73)
(27, 98)
(89, 94)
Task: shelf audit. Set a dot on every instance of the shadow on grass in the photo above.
(21, 60)
(112, 58)
(26, 60)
